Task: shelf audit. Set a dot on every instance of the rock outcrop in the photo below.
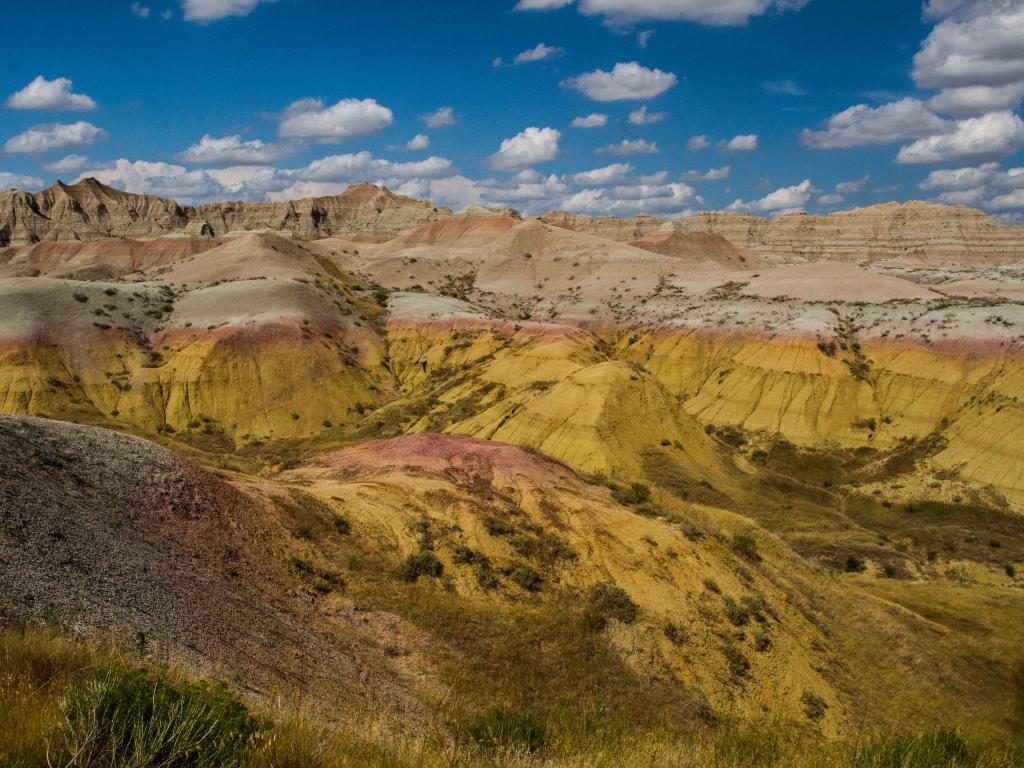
(89, 210)
(915, 230)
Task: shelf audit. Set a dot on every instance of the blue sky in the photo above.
(760, 105)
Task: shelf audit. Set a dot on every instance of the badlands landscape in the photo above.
(436, 487)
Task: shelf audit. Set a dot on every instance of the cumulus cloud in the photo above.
(862, 125)
(987, 186)
(418, 142)
(444, 116)
(526, 149)
(783, 88)
(54, 95)
(627, 80)
(42, 138)
(977, 99)
(642, 117)
(975, 55)
(324, 176)
(541, 5)
(539, 52)
(67, 164)
(781, 201)
(630, 147)
(978, 138)
(163, 179)
(697, 143)
(664, 199)
(602, 176)
(714, 174)
(17, 181)
(743, 143)
(211, 10)
(830, 199)
(855, 185)
(626, 12)
(231, 149)
(347, 119)
(140, 10)
(593, 120)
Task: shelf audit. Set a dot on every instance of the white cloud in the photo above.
(166, 15)
(960, 178)
(987, 186)
(418, 142)
(977, 99)
(362, 165)
(444, 116)
(862, 125)
(54, 95)
(978, 138)
(784, 200)
(593, 120)
(715, 174)
(1010, 200)
(783, 88)
(830, 199)
(601, 176)
(642, 117)
(532, 146)
(541, 5)
(712, 12)
(643, 37)
(627, 147)
(537, 53)
(627, 80)
(978, 43)
(42, 138)
(856, 185)
(667, 199)
(743, 143)
(68, 164)
(697, 143)
(163, 179)
(231, 149)
(17, 181)
(140, 10)
(212, 10)
(347, 119)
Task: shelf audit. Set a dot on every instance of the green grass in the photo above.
(85, 705)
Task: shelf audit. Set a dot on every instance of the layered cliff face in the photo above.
(89, 210)
(915, 230)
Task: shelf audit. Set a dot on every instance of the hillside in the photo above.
(89, 210)
(659, 483)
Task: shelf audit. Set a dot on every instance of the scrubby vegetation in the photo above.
(88, 705)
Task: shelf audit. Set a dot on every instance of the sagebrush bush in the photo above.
(609, 601)
(136, 718)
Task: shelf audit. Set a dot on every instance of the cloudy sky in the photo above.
(599, 106)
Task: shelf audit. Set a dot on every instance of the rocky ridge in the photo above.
(89, 210)
(914, 230)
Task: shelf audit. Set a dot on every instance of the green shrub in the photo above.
(737, 614)
(942, 748)
(138, 718)
(608, 601)
(814, 705)
(506, 729)
(738, 664)
(526, 576)
(746, 545)
(485, 575)
(422, 563)
(854, 564)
